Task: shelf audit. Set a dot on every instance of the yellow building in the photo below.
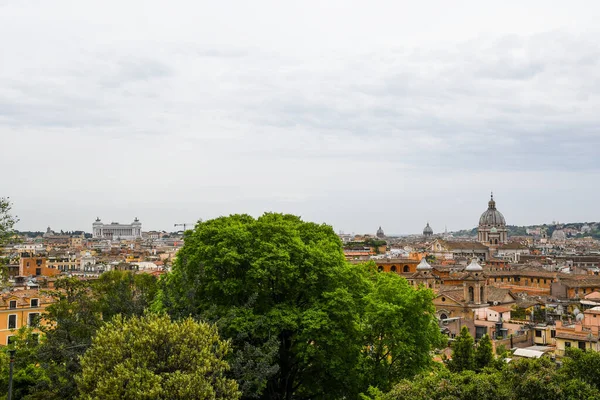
(20, 308)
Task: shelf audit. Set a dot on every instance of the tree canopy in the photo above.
(463, 352)
(303, 322)
(152, 357)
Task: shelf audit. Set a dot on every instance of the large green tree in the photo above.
(463, 352)
(399, 329)
(484, 354)
(152, 357)
(303, 322)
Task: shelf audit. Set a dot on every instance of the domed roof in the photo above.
(474, 266)
(427, 230)
(492, 216)
(97, 222)
(423, 265)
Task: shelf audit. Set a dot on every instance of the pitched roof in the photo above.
(595, 295)
(466, 245)
(575, 336)
(514, 246)
(498, 294)
(500, 309)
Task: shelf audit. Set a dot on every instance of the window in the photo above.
(406, 268)
(538, 333)
(33, 319)
(380, 268)
(12, 321)
(35, 302)
(581, 345)
(553, 334)
(393, 269)
(10, 340)
(13, 304)
(567, 344)
(38, 271)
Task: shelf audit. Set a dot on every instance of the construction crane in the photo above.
(185, 225)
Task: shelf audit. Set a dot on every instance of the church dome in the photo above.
(427, 231)
(423, 265)
(491, 216)
(474, 266)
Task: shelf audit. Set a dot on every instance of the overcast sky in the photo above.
(357, 114)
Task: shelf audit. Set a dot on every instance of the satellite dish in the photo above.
(495, 303)
(579, 317)
(576, 311)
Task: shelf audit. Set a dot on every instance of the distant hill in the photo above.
(573, 230)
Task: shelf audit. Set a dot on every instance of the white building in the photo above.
(116, 231)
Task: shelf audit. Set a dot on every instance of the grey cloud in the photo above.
(134, 70)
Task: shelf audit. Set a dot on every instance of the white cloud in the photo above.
(358, 114)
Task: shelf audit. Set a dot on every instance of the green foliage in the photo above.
(484, 354)
(463, 352)
(446, 385)
(302, 321)
(521, 379)
(584, 365)
(124, 293)
(7, 220)
(74, 318)
(27, 372)
(152, 357)
(396, 352)
(371, 242)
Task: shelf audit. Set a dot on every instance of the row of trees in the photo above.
(532, 379)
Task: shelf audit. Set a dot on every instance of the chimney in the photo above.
(578, 328)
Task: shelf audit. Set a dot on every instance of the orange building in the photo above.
(36, 266)
(397, 265)
(20, 308)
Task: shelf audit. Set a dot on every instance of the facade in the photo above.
(116, 231)
(492, 226)
(36, 266)
(20, 308)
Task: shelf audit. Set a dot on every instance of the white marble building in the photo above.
(116, 231)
